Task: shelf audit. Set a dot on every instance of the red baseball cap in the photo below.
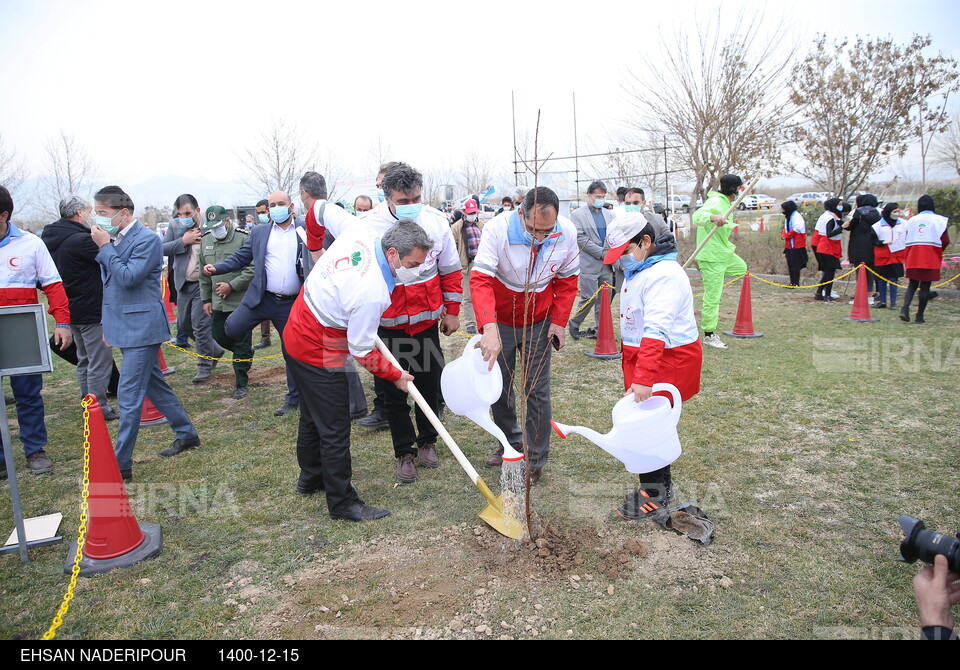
(470, 206)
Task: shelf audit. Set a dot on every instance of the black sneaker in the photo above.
(180, 445)
(239, 392)
(375, 419)
(643, 503)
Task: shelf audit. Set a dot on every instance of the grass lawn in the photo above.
(803, 446)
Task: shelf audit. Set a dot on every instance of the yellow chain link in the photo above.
(224, 360)
(944, 283)
(773, 283)
(81, 530)
(589, 302)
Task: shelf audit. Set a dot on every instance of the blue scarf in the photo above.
(650, 262)
(516, 234)
(12, 231)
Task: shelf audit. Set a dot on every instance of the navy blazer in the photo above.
(133, 312)
(254, 250)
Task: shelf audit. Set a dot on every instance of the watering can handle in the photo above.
(675, 392)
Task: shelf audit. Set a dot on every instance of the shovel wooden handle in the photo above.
(442, 430)
(730, 211)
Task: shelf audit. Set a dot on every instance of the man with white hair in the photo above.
(75, 255)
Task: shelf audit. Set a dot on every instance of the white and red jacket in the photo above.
(24, 261)
(661, 340)
(896, 235)
(923, 241)
(335, 219)
(828, 234)
(794, 232)
(516, 283)
(439, 289)
(338, 311)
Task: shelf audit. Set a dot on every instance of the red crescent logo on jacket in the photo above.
(14, 262)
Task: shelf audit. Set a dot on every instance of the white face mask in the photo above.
(219, 233)
(407, 275)
(471, 218)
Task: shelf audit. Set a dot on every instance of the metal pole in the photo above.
(513, 112)
(14, 489)
(666, 175)
(576, 151)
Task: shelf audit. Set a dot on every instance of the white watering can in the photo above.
(470, 389)
(644, 435)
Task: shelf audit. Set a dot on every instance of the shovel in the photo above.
(493, 513)
(730, 211)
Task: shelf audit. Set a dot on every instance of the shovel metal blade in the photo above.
(503, 523)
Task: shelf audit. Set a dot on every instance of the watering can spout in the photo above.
(606, 442)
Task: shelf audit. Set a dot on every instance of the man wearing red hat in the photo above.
(466, 234)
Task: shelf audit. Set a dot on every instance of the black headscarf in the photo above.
(887, 210)
(867, 200)
(925, 204)
(833, 205)
(788, 207)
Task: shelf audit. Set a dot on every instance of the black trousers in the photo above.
(323, 436)
(243, 319)
(421, 356)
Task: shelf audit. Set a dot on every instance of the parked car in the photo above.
(802, 197)
(678, 203)
(757, 201)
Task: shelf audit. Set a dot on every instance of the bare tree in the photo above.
(476, 174)
(712, 92)
(947, 151)
(856, 102)
(633, 159)
(13, 169)
(934, 80)
(278, 160)
(380, 153)
(68, 171)
(433, 183)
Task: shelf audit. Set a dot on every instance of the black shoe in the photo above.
(9, 400)
(109, 414)
(127, 475)
(358, 415)
(905, 315)
(471, 330)
(575, 333)
(181, 445)
(591, 333)
(307, 490)
(643, 504)
(360, 512)
(375, 419)
(285, 408)
(262, 344)
(239, 392)
(919, 319)
(932, 295)
(818, 296)
(881, 305)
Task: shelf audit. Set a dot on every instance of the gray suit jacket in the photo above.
(133, 313)
(592, 247)
(173, 246)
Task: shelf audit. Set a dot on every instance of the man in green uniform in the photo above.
(220, 240)
(718, 259)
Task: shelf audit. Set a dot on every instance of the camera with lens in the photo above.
(918, 542)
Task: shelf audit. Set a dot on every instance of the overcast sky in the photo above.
(154, 89)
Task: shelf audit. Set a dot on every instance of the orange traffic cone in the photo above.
(164, 370)
(762, 229)
(165, 295)
(861, 308)
(744, 324)
(114, 539)
(606, 344)
(150, 415)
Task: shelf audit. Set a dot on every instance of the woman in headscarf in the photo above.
(890, 252)
(862, 239)
(829, 246)
(926, 237)
(794, 236)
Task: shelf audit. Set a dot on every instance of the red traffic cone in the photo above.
(114, 539)
(744, 324)
(150, 415)
(736, 230)
(762, 229)
(164, 370)
(861, 308)
(606, 344)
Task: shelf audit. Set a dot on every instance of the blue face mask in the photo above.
(280, 213)
(186, 221)
(106, 222)
(599, 203)
(409, 211)
(263, 218)
(629, 263)
(633, 208)
(380, 194)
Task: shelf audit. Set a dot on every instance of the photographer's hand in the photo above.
(936, 590)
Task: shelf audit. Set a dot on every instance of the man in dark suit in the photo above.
(591, 222)
(277, 252)
(135, 320)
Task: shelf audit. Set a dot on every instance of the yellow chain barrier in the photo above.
(944, 283)
(589, 302)
(223, 360)
(773, 283)
(732, 281)
(81, 530)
